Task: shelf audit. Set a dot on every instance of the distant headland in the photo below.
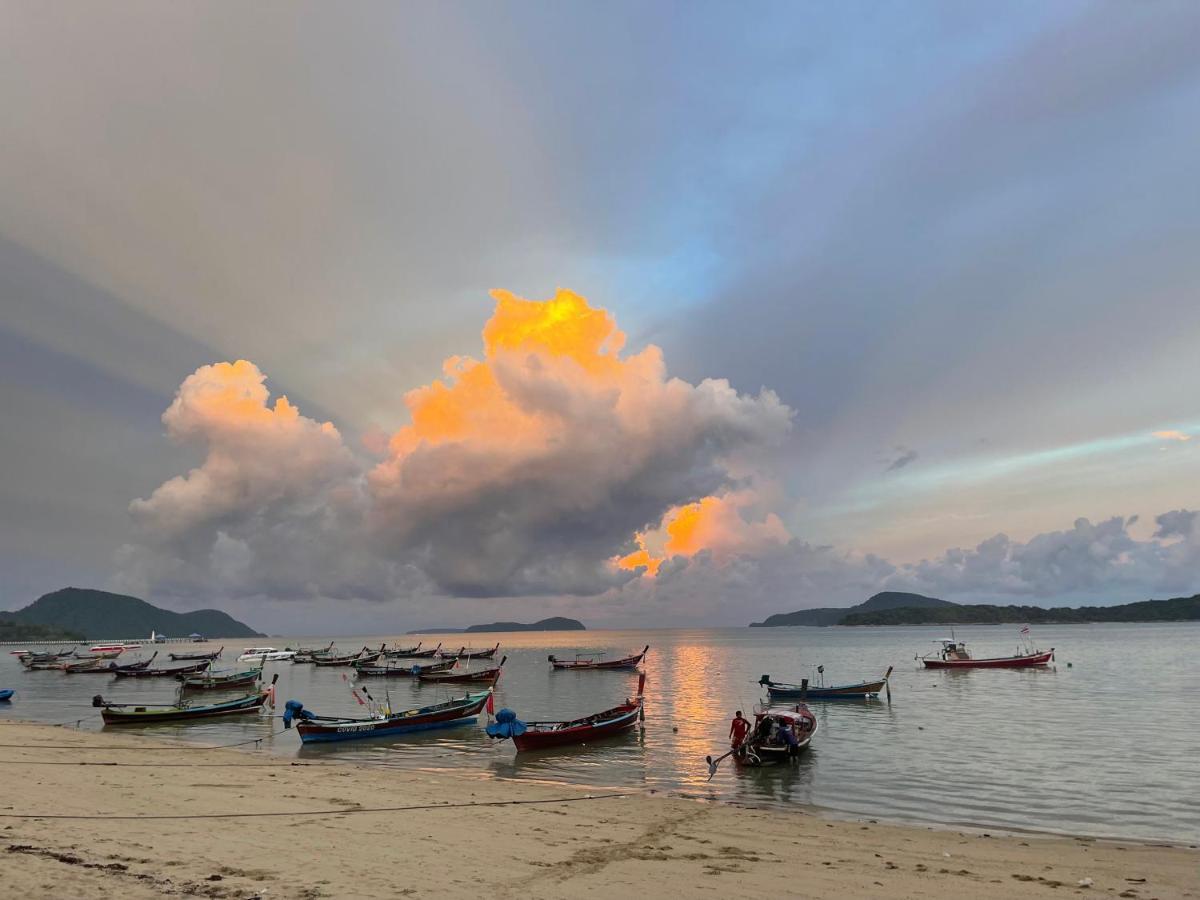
(85, 614)
(554, 623)
(898, 608)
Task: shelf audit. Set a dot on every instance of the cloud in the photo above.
(906, 456)
(524, 472)
(1172, 436)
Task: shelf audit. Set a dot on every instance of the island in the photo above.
(554, 623)
(88, 614)
(12, 631)
(897, 608)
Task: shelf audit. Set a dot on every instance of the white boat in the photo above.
(261, 654)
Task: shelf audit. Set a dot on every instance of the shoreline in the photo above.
(246, 823)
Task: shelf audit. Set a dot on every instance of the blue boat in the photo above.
(6, 695)
(779, 690)
(313, 728)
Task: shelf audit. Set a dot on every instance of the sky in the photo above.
(646, 314)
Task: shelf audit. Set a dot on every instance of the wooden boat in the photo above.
(148, 713)
(540, 735)
(101, 654)
(28, 656)
(307, 654)
(473, 653)
(49, 665)
(314, 729)
(83, 665)
(215, 681)
(426, 654)
(597, 661)
(483, 676)
(386, 671)
(363, 657)
(111, 669)
(6, 695)
(207, 654)
(403, 652)
(778, 690)
(195, 668)
(780, 734)
(953, 654)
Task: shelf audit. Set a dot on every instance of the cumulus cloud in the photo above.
(523, 472)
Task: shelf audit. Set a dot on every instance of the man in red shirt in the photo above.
(738, 729)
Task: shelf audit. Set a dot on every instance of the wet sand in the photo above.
(342, 832)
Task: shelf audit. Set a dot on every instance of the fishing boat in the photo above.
(6, 695)
(151, 713)
(402, 652)
(413, 671)
(114, 648)
(365, 656)
(426, 654)
(207, 654)
(383, 723)
(473, 652)
(260, 654)
(111, 669)
(953, 654)
(215, 681)
(482, 676)
(779, 690)
(780, 734)
(540, 735)
(597, 661)
(82, 665)
(307, 654)
(42, 655)
(173, 671)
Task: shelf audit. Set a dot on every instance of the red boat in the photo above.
(473, 652)
(599, 662)
(483, 676)
(953, 654)
(540, 735)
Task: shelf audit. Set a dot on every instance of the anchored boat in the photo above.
(482, 676)
(780, 690)
(953, 654)
(780, 734)
(413, 671)
(209, 655)
(317, 729)
(540, 735)
(597, 661)
(149, 713)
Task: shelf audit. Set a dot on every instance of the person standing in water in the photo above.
(738, 729)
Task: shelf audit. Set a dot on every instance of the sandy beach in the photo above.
(343, 831)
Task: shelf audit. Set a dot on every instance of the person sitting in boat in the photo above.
(788, 737)
(738, 729)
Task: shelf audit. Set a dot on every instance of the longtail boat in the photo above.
(81, 665)
(101, 654)
(780, 734)
(779, 690)
(473, 652)
(540, 735)
(215, 681)
(482, 676)
(195, 668)
(426, 654)
(307, 654)
(28, 656)
(952, 654)
(597, 661)
(207, 654)
(314, 729)
(414, 671)
(6, 695)
(148, 713)
(363, 657)
(112, 668)
(402, 652)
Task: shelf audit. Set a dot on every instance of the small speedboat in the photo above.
(256, 654)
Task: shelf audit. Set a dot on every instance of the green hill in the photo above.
(829, 615)
(1179, 609)
(99, 614)
(554, 623)
(11, 631)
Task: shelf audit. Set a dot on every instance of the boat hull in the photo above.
(536, 738)
(6, 695)
(836, 692)
(627, 662)
(464, 712)
(1003, 662)
(138, 715)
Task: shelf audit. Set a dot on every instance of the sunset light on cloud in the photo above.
(1172, 436)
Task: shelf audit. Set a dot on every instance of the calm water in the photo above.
(1108, 746)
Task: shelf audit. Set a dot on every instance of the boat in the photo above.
(150, 713)
(206, 654)
(316, 729)
(363, 657)
(540, 735)
(473, 652)
(6, 695)
(413, 671)
(257, 654)
(112, 668)
(101, 654)
(482, 676)
(42, 655)
(306, 654)
(109, 648)
(82, 665)
(780, 734)
(402, 652)
(597, 661)
(779, 690)
(953, 654)
(426, 654)
(173, 671)
(215, 681)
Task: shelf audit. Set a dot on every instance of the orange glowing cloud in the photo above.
(1172, 435)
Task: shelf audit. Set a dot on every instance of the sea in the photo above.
(1105, 742)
